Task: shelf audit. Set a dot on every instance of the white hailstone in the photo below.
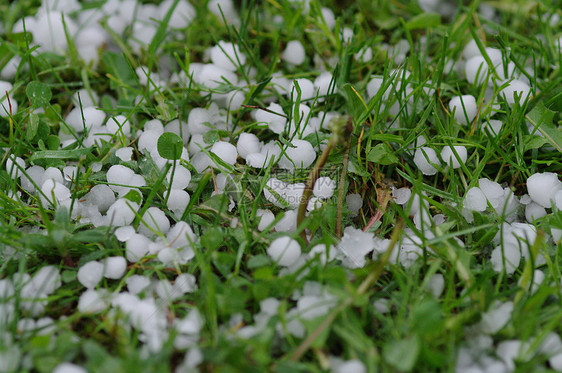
(85, 118)
(506, 258)
(314, 203)
(234, 100)
(14, 165)
(247, 144)
(154, 220)
(300, 119)
(328, 16)
(274, 191)
(198, 121)
(493, 192)
(212, 76)
(92, 301)
(154, 125)
(118, 176)
(90, 274)
(464, 108)
(471, 50)
(274, 117)
(306, 87)
(436, 284)
(354, 203)
(225, 151)
(324, 187)
(178, 177)
(266, 218)
(313, 306)
(69, 368)
(165, 290)
(302, 155)
(6, 288)
(114, 267)
(227, 55)
(179, 128)
(285, 251)
(424, 159)
(136, 247)
(224, 9)
(46, 280)
(323, 83)
(288, 223)
(181, 236)
(34, 178)
(123, 234)
(178, 201)
(201, 161)
(401, 195)
(516, 91)
(256, 160)
(294, 53)
(346, 34)
(11, 68)
(326, 253)
(558, 199)
(476, 70)
(475, 200)
(449, 157)
(55, 193)
(119, 125)
(137, 283)
(49, 31)
(54, 174)
(493, 126)
(543, 187)
(101, 196)
(121, 212)
(148, 140)
(183, 14)
(196, 144)
(124, 154)
(185, 283)
(534, 211)
(354, 245)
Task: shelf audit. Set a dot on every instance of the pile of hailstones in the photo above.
(108, 204)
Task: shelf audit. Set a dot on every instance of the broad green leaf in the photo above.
(423, 21)
(534, 142)
(32, 126)
(382, 154)
(402, 354)
(427, 317)
(170, 146)
(60, 154)
(211, 137)
(53, 142)
(39, 94)
(541, 118)
(134, 196)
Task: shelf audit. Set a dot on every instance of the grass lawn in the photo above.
(281, 185)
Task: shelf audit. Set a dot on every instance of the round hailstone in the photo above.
(275, 117)
(148, 140)
(266, 218)
(516, 91)
(212, 76)
(476, 70)
(493, 192)
(198, 121)
(507, 259)
(55, 192)
(543, 187)
(227, 55)
(329, 18)
(354, 203)
(122, 212)
(234, 100)
(91, 301)
(90, 274)
(154, 125)
(154, 220)
(49, 31)
(461, 105)
(247, 144)
(14, 165)
(306, 86)
(34, 178)
(137, 283)
(294, 53)
(402, 195)
(136, 247)
(120, 125)
(225, 151)
(178, 201)
(123, 234)
(301, 156)
(183, 14)
(4, 104)
(114, 267)
(471, 49)
(534, 211)
(201, 161)
(285, 251)
(493, 126)
(324, 187)
(69, 368)
(120, 176)
(558, 199)
(475, 200)
(424, 158)
(178, 177)
(323, 83)
(496, 317)
(288, 223)
(448, 156)
(85, 118)
(54, 174)
(124, 154)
